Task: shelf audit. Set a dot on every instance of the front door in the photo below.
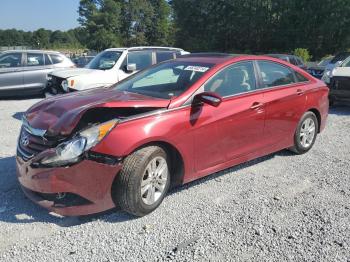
(235, 128)
(11, 75)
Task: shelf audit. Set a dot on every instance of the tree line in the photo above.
(238, 26)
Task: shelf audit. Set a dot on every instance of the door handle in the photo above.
(300, 92)
(256, 105)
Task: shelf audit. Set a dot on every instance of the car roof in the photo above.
(32, 51)
(280, 55)
(136, 48)
(213, 58)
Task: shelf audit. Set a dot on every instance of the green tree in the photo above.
(101, 20)
(130, 22)
(41, 38)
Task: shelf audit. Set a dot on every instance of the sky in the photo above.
(30, 15)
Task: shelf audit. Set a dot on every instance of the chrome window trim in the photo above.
(31, 130)
(289, 68)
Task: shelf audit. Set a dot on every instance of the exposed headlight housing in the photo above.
(64, 85)
(71, 151)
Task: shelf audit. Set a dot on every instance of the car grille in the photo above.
(30, 144)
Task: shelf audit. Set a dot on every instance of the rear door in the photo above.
(284, 100)
(35, 72)
(11, 75)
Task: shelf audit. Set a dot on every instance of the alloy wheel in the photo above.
(154, 180)
(307, 132)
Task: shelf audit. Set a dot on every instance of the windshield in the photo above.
(340, 57)
(165, 80)
(104, 61)
(325, 62)
(346, 63)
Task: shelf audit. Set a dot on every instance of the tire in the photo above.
(137, 175)
(305, 134)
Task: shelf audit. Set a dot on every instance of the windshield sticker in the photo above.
(197, 68)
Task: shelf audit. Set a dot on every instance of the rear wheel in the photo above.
(143, 182)
(306, 133)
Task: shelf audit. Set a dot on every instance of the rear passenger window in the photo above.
(235, 79)
(274, 74)
(35, 59)
(56, 59)
(300, 62)
(301, 78)
(47, 60)
(142, 59)
(293, 60)
(163, 56)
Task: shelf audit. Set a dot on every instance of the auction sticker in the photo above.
(197, 68)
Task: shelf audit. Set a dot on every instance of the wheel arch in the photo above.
(177, 170)
(318, 116)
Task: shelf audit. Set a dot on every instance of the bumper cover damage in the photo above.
(86, 184)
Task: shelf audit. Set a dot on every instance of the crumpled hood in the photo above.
(71, 72)
(59, 115)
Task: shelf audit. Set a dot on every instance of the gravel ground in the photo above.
(281, 207)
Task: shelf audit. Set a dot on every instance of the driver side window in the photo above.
(235, 79)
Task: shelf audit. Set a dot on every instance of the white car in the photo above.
(339, 84)
(334, 63)
(109, 67)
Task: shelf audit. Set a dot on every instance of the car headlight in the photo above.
(49, 77)
(70, 152)
(64, 85)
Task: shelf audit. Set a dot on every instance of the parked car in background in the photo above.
(317, 70)
(294, 60)
(169, 124)
(339, 85)
(109, 67)
(82, 61)
(25, 72)
(335, 62)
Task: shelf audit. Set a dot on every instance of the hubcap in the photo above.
(307, 132)
(154, 180)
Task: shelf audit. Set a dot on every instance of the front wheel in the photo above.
(306, 133)
(143, 182)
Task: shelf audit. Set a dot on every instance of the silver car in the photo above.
(25, 72)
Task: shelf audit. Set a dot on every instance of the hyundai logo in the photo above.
(25, 141)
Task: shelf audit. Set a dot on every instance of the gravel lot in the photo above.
(280, 207)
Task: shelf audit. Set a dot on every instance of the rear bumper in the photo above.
(89, 182)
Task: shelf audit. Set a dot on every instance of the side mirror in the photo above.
(131, 67)
(209, 98)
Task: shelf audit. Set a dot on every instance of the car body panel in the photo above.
(208, 139)
(61, 116)
(96, 189)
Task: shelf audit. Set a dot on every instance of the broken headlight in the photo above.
(70, 152)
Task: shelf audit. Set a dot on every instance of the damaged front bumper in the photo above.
(80, 189)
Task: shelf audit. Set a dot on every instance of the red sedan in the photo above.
(170, 124)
